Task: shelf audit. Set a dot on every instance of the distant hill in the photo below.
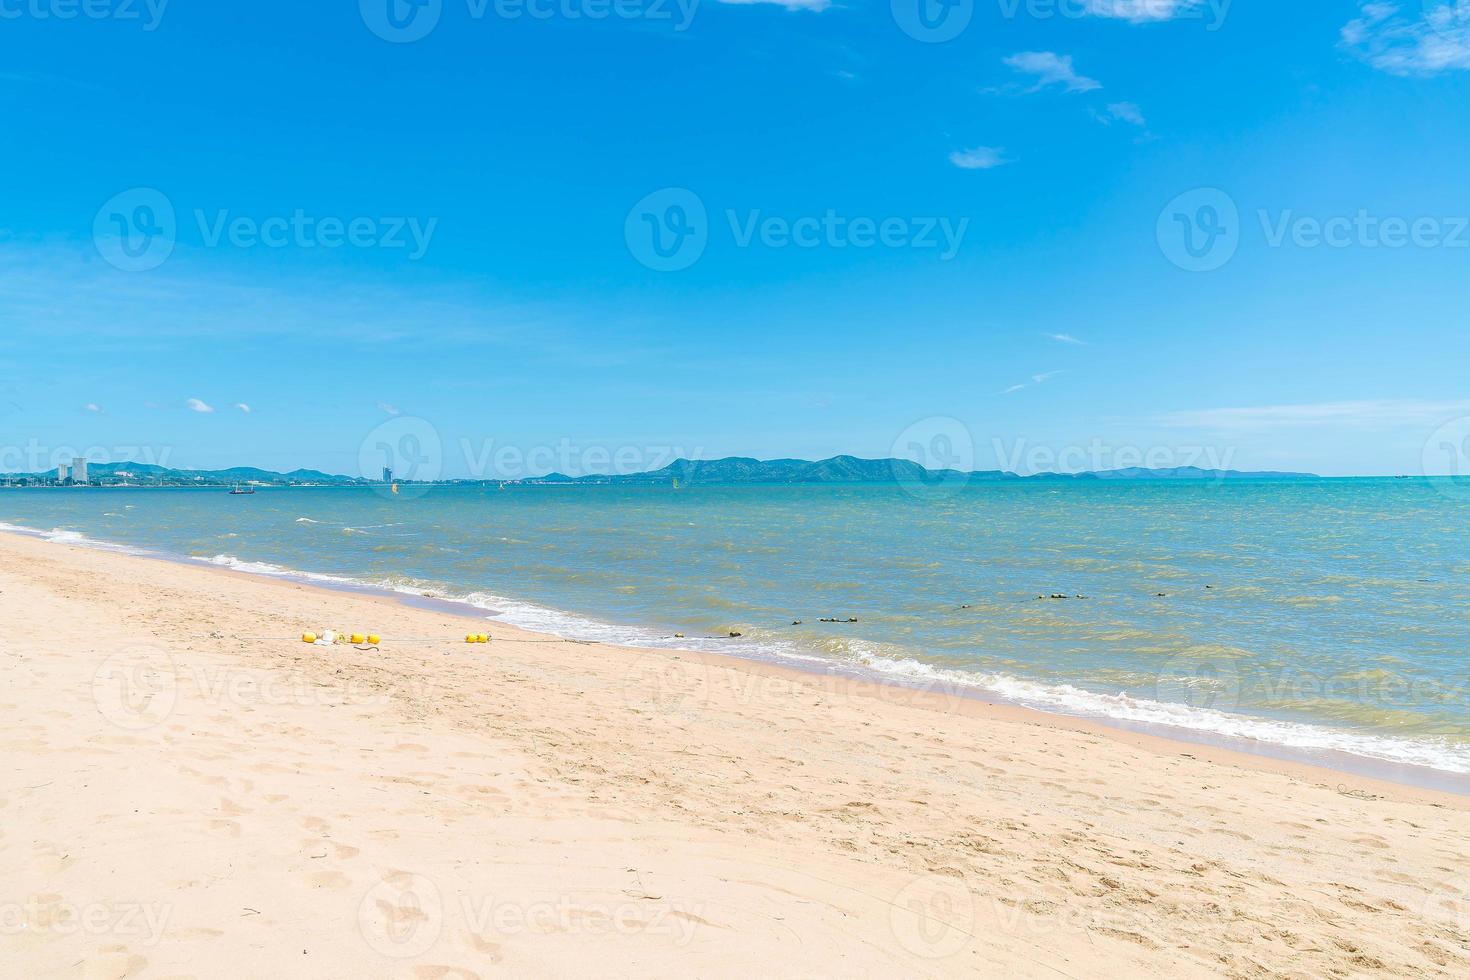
(150, 474)
(737, 470)
(732, 471)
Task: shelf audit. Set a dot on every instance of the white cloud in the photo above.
(243, 407)
(1051, 68)
(979, 158)
(389, 409)
(1066, 338)
(1361, 414)
(1036, 379)
(1141, 11)
(1432, 37)
(195, 405)
(92, 407)
(1128, 112)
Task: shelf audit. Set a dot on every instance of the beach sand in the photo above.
(190, 791)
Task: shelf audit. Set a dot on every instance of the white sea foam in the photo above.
(880, 662)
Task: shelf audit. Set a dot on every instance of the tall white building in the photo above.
(61, 473)
(79, 470)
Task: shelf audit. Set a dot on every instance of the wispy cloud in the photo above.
(195, 405)
(1036, 379)
(1432, 37)
(243, 407)
(50, 292)
(979, 158)
(1127, 112)
(1141, 11)
(1066, 338)
(1050, 68)
(1362, 414)
(92, 407)
(388, 409)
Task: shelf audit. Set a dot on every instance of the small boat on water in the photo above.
(237, 491)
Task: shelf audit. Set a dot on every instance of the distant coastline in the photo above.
(730, 471)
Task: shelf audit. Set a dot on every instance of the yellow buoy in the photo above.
(483, 638)
(308, 637)
(374, 639)
(358, 638)
(472, 638)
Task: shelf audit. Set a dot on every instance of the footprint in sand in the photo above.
(112, 963)
(228, 827)
(430, 971)
(402, 915)
(334, 880)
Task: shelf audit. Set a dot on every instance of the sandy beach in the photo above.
(189, 790)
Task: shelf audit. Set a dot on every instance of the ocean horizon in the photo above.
(1302, 615)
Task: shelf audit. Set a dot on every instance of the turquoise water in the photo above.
(1321, 614)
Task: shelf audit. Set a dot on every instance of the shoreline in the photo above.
(1260, 751)
(437, 809)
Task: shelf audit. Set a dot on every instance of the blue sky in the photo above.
(1075, 233)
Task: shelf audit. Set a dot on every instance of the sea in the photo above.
(1320, 619)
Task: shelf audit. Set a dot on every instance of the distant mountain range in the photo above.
(737, 470)
(732, 471)
(149, 474)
